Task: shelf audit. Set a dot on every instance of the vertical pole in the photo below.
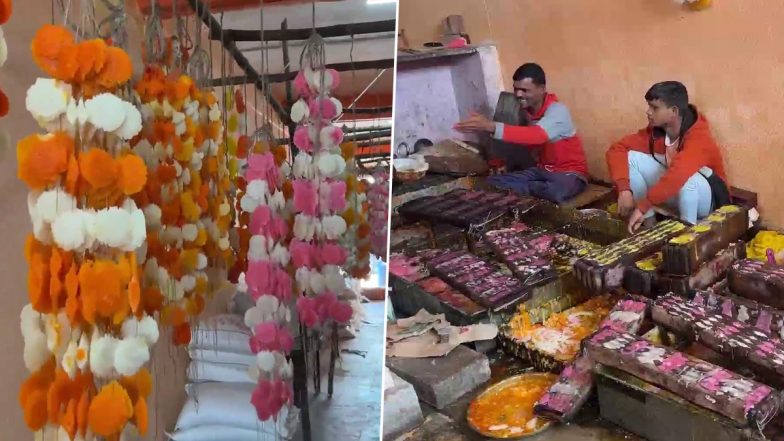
(284, 26)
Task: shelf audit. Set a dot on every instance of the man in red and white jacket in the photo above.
(562, 172)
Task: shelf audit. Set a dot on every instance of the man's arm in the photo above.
(555, 124)
(618, 158)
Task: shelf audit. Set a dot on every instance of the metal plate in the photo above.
(500, 386)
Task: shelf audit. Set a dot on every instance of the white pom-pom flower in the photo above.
(106, 111)
(132, 124)
(303, 166)
(3, 48)
(47, 99)
(36, 352)
(304, 227)
(266, 361)
(299, 111)
(52, 203)
(152, 216)
(338, 104)
(130, 355)
(70, 230)
(102, 350)
(112, 227)
(146, 328)
(331, 165)
(333, 227)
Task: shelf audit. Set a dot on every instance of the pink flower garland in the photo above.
(270, 285)
(318, 203)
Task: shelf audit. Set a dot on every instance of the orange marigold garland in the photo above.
(186, 200)
(87, 318)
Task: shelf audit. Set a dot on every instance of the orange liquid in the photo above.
(510, 411)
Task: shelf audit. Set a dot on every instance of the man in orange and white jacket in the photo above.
(669, 162)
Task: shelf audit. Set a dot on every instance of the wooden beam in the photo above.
(369, 110)
(288, 76)
(341, 30)
(231, 47)
(368, 135)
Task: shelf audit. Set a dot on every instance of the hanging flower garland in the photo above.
(6, 8)
(319, 200)
(378, 196)
(356, 241)
(87, 319)
(186, 201)
(265, 222)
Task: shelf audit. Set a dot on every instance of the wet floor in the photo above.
(354, 411)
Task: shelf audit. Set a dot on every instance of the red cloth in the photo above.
(563, 155)
(698, 149)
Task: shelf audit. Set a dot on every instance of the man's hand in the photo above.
(635, 220)
(625, 203)
(475, 123)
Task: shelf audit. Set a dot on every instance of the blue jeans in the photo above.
(694, 200)
(534, 181)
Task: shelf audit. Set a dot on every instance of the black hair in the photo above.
(671, 93)
(532, 71)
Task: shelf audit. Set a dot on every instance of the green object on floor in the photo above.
(390, 310)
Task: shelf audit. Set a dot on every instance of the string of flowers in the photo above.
(357, 239)
(6, 8)
(267, 280)
(319, 201)
(378, 197)
(186, 200)
(87, 331)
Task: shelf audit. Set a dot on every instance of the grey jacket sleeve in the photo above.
(557, 122)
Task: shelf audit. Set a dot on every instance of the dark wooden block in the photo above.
(758, 281)
(744, 401)
(603, 269)
(683, 254)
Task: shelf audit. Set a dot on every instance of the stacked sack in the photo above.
(218, 404)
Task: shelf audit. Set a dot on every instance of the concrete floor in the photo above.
(354, 411)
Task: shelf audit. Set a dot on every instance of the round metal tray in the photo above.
(501, 385)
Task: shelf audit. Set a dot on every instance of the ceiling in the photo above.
(338, 50)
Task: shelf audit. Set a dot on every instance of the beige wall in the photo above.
(602, 55)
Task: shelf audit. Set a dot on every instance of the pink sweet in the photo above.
(302, 139)
(755, 397)
(305, 197)
(674, 362)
